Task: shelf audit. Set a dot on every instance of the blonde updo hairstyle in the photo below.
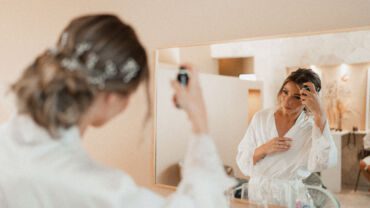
(56, 95)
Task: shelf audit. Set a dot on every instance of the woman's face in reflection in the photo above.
(290, 98)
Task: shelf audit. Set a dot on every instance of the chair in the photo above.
(322, 198)
(240, 191)
(364, 153)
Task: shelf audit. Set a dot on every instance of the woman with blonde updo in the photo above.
(86, 80)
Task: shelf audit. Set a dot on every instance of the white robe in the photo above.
(38, 171)
(276, 178)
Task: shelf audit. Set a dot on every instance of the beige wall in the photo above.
(273, 56)
(200, 58)
(169, 56)
(27, 27)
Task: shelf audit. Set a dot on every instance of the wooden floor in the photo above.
(350, 199)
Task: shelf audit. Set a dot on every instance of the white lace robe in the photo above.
(276, 178)
(38, 171)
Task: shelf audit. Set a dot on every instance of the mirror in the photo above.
(242, 77)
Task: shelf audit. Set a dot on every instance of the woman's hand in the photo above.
(275, 145)
(312, 101)
(190, 99)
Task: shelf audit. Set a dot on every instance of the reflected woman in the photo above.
(86, 80)
(283, 145)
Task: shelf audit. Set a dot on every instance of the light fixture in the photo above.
(251, 77)
(343, 70)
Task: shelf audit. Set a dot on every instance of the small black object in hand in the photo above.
(183, 76)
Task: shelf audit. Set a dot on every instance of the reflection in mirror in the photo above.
(226, 125)
(344, 94)
(242, 78)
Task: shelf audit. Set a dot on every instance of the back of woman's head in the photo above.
(94, 53)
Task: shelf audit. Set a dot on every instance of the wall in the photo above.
(272, 57)
(200, 58)
(27, 27)
(169, 56)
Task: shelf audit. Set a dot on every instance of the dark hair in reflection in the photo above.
(301, 76)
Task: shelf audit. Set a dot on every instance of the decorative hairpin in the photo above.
(128, 70)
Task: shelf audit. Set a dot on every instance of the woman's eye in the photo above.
(297, 97)
(285, 92)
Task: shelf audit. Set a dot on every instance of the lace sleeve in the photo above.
(323, 153)
(203, 183)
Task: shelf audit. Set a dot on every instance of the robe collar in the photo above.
(27, 131)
